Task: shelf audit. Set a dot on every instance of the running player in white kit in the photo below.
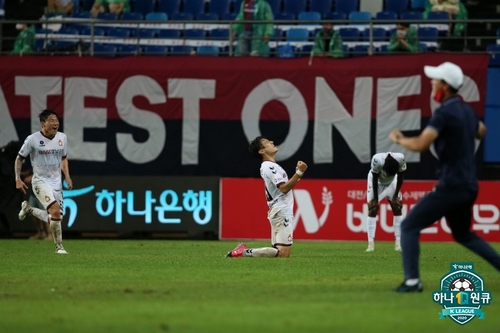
(279, 197)
(384, 181)
(47, 149)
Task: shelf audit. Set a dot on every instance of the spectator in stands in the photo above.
(253, 39)
(455, 8)
(328, 42)
(404, 39)
(60, 6)
(25, 41)
(113, 6)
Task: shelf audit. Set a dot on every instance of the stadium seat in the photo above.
(423, 47)
(335, 16)
(147, 33)
(155, 50)
(428, 34)
(357, 16)
(169, 33)
(127, 50)
(207, 17)
(418, 4)
(131, 16)
(228, 17)
(346, 6)
(178, 50)
(379, 34)
(119, 33)
(144, 6)
(156, 16)
(98, 31)
(408, 16)
(169, 6)
(68, 41)
(219, 7)
(194, 34)
(386, 16)
(286, 51)
(237, 6)
(219, 34)
(284, 17)
(304, 51)
(444, 16)
(396, 6)
(349, 34)
(297, 35)
(82, 15)
(494, 51)
(194, 7)
(294, 6)
(275, 6)
(107, 16)
(208, 51)
(360, 50)
(181, 17)
(321, 6)
(107, 51)
(309, 16)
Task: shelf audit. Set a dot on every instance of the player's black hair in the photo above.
(404, 24)
(391, 166)
(255, 146)
(46, 113)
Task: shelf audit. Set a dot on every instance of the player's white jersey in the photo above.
(273, 174)
(377, 165)
(46, 156)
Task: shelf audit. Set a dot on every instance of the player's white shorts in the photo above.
(46, 194)
(281, 227)
(384, 191)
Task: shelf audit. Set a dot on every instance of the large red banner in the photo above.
(336, 210)
(170, 115)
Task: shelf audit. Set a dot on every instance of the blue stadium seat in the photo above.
(169, 6)
(275, 6)
(208, 51)
(144, 6)
(98, 31)
(64, 43)
(219, 7)
(237, 6)
(82, 15)
(178, 50)
(181, 17)
(194, 34)
(155, 50)
(309, 16)
(428, 34)
(407, 16)
(156, 16)
(294, 6)
(396, 6)
(304, 51)
(107, 16)
(356, 16)
(297, 35)
(219, 34)
(321, 6)
(360, 51)
(131, 16)
(423, 47)
(379, 34)
(108, 51)
(334, 16)
(284, 17)
(194, 7)
(147, 33)
(228, 17)
(207, 17)
(169, 33)
(494, 51)
(444, 16)
(418, 4)
(349, 34)
(346, 6)
(386, 16)
(119, 32)
(127, 50)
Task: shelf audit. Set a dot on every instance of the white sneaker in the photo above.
(397, 247)
(60, 249)
(25, 210)
(371, 247)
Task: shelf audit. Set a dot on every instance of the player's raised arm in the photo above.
(299, 173)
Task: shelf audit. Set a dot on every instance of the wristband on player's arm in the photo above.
(300, 173)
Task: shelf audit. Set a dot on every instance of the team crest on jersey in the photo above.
(47, 198)
(60, 143)
(42, 144)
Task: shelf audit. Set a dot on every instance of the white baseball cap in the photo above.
(448, 72)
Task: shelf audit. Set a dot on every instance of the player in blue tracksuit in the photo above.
(453, 129)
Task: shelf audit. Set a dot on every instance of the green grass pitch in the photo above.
(188, 286)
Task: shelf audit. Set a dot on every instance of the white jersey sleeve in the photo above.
(273, 175)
